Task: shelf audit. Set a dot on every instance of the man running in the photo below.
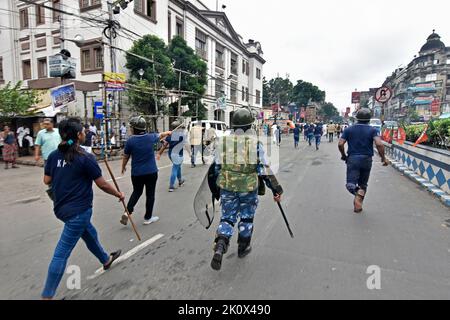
(360, 138)
(296, 136)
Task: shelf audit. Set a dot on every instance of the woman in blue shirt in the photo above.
(140, 147)
(71, 171)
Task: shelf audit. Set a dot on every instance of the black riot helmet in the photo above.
(242, 118)
(138, 123)
(364, 115)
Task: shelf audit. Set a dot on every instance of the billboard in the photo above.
(114, 81)
(63, 95)
(356, 97)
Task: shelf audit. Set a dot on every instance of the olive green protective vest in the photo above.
(239, 165)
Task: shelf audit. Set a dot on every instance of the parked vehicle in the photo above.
(390, 125)
(221, 127)
(377, 124)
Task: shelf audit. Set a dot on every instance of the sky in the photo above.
(338, 45)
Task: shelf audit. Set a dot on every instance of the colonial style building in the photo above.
(235, 66)
(424, 85)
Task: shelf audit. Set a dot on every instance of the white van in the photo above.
(221, 127)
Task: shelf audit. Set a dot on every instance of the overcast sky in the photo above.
(338, 45)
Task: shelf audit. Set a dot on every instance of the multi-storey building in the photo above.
(424, 85)
(235, 66)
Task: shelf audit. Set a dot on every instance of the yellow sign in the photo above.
(114, 77)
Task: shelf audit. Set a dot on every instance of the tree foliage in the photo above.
(177, 55)
(329, 112)
(15, 101)
(304, 92)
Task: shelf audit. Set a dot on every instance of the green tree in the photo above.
(15, 101)
(266, 93)
(304, 92)
(194, 83)
(142, 94)
(279, 90)
(329, 112)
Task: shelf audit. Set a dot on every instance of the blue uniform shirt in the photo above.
(72, 183)
(141, 150)
(360, 139)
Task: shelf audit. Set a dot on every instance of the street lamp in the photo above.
(141, 73)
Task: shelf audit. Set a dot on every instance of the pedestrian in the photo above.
(310, 133)
(70, 171)
(210, 141)
(47, 140)
(238, 183)
(175, 143)
(93, 128)
(279, 133)
(331, 130)
(360, 138)
(305, 131)
(338, 130)
(144, 172)
(318, 133)
(10, 150)
(90, 136)
(123, 133)
(196, 142)
(275, 132)
(296, 136)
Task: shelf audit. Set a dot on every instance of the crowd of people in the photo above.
(71, 169)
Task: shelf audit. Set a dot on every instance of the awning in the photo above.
(445, 116)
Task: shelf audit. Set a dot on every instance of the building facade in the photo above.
(235, 66)
(423, 86)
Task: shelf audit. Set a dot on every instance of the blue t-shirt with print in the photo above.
(176, 143)
(141, 150)
(360, 139)
(72, 183)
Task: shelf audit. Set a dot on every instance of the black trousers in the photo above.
(139, 182)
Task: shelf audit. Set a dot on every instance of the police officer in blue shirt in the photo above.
(360, 138)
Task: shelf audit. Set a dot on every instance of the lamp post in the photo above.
(141, 73)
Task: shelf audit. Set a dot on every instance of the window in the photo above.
(258, 97)
(234, 63)
(200, 44)
(24, 19)
(41, 42)
(179, 28)
(146, 8)
(1, 70)
(42, 68)
(258, 73)
(233, 92)
(244, 66)
(56, 15)
(247, 70)
(219, 88)
(92, 58)
(169, 24)
(26, 69)
(431, 77)
(247, 95)
(40, 14)
(86, 5)
(220, 61)
(243, 93)
(436, 62)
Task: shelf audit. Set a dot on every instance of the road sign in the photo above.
(356, 97)
(98, 110)
(63, 95)
(221, 102)
(383, 94)
(60, 66)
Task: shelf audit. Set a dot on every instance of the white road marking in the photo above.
(127, 255)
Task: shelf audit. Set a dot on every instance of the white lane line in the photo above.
(127, 255)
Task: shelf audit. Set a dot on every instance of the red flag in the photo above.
(387, 135)
(401, 136)
(423, 137)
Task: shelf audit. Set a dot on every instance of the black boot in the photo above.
(244, 247)
(220, 249)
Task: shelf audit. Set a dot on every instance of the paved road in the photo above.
(404, 231)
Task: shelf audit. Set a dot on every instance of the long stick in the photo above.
(123, 201)
(285, 220)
